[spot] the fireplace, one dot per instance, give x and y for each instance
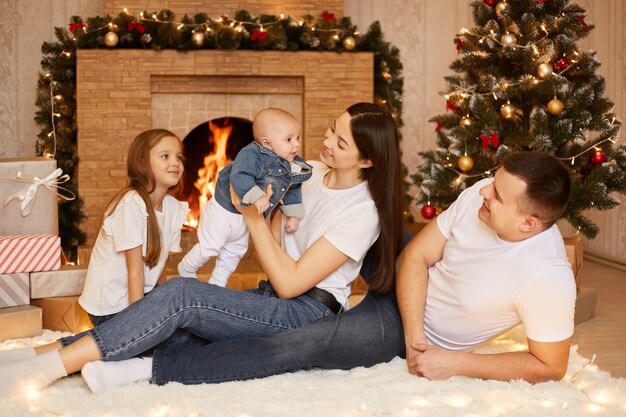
(208, 148)
(121, 93)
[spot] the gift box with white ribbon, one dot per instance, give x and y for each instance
(29, 253)
(29, 192)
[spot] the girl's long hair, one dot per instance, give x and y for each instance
(141, 180)
(376, 136)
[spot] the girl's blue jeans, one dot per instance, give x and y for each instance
(203, 310)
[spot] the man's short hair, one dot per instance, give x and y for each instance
(548, 184)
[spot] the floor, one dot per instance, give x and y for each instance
(605, 334)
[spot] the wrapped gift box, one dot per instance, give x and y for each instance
(574, 250)
(43, 216)
(586, 300)
(64, 314)
(67, 281)
(18, 322)
(29, 253)
(14, 289)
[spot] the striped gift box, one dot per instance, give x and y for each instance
(14, 289)
(29, 253)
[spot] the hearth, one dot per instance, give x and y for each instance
(208, 148)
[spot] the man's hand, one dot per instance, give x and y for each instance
(432, 362)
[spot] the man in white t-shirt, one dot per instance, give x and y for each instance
(492, 260)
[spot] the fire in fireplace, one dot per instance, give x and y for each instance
(208, 148)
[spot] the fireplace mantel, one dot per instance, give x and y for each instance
(114, 89)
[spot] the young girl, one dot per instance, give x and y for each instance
(141, 226)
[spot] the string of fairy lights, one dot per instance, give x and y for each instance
(349, 40)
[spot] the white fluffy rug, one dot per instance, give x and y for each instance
(383, 390)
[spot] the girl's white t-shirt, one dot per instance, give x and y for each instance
(346, 218)
(106, 285)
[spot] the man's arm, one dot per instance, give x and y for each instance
(411, 282)
(543, 362)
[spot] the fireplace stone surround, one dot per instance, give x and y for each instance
(114, 91)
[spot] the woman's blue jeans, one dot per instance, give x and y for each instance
(368, 334)
(203, 310)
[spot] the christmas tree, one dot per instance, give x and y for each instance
(522, 84)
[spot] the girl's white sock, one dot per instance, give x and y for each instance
(101, 376)
(16, 355)
(33, 374)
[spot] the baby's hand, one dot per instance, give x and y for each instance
(262, 204)
(292, 224)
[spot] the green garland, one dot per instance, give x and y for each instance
(160, 30)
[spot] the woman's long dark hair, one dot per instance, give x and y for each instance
(376, 136)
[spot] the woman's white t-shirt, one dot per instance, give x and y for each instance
(347, 218)
(106, 284)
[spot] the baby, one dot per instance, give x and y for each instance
(271, 159)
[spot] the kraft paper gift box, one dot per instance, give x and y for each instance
(28, 199)
(64, 314)
(29, 253)
(14, 289)
(586, 300)
(18, 322)
(574, 251)
(67, 281)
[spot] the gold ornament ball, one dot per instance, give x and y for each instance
(555, 106)
(544, 70)
(465, 163)
(502, 8)
(197, 38)
(111, 39)
(349, 43)
(466, 122)
(507, 111)
(508, 39)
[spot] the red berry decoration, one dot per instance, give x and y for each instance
(562, 64)
(429, 211)
(597, 157)
(490, 2)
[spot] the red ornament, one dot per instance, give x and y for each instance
(258, 36)
(138, 26)
(439, 127)
(490, 140)
(562, 64)
(598, 157)
(75, 26)
(329, 17)
(490, 3)
(459, 44)
(581, 19)
(536, 2)
(429, 211)
(451, 106)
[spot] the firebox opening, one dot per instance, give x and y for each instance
(208, 148)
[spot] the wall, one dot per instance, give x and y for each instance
(24, 26)
(423, 32)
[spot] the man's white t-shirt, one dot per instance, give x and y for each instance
(346, 218)
(106, 284)
(483, 286)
